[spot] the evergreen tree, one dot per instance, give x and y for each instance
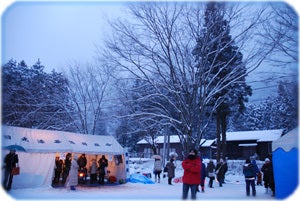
(34, 99)
(280, 112)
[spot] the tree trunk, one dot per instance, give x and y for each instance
(223, 127)
(218, 137)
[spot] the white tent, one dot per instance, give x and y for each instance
(285, 164)
(41, 147)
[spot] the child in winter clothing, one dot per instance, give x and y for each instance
(249, 173)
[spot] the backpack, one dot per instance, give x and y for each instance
(166, 169)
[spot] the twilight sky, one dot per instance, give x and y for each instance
(60, 32)
(57, 33)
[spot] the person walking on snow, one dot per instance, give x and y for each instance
(157, 169)
(268, 176)
(171, 170)
(202, 179)
(221, 170)
(211, 172)
(192, 174)
(249, 173)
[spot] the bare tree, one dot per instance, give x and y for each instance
(88, 87)
(156, 48)
(283, 32)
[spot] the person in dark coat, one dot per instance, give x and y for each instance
(221, 170)
(191, 178)
(202, 179)
(171, 170)
(67, 167)
(268, 176)
(82, 161)
(103, 163)
(257, 171)
(11, 160)
(249, 173)
(58, 169)
(211, 172)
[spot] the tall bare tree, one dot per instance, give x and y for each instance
(156, 45)
(88, 87)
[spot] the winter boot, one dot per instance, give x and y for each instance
(72, 188)
(158, 180)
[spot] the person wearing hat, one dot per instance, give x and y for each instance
(170, 166)
(267, 170)
(10, 160)
(192, 174)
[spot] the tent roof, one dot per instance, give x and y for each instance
(35, 140)
(287, 142)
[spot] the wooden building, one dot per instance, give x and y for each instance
(240, 145)
(244, 144)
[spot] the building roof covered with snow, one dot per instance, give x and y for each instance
(259, 136)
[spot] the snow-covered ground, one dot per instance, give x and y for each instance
(233, 189)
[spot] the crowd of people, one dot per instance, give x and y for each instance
(74, 170)
(67, 172)
(195, 172)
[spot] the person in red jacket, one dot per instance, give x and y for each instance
(191, 175)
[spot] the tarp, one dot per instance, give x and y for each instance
(138, 178)
(42, 146)
(285, 164)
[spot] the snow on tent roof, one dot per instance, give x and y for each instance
(35, 140)
(287, 142)
(259, 136)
